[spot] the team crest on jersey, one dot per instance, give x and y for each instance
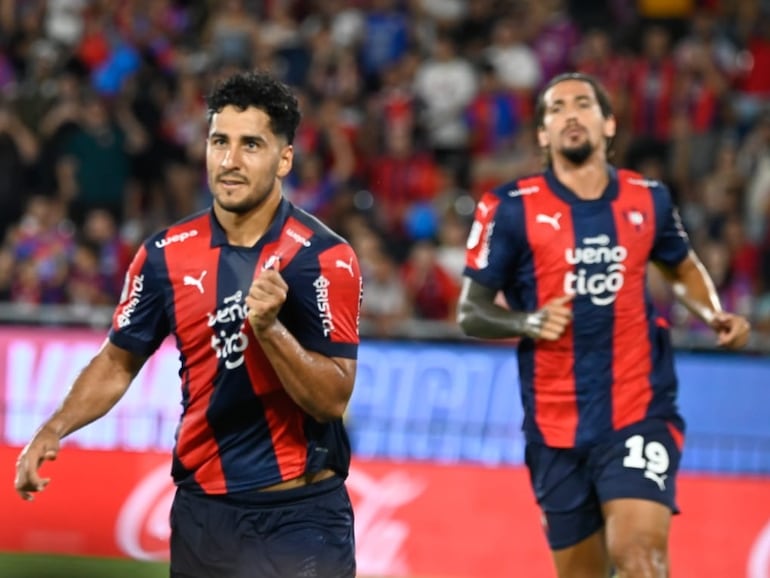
(636, 218)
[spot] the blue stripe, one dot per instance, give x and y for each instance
(593, 329)
(235, 413)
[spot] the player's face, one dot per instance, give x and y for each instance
(245, 159)
(573, 125)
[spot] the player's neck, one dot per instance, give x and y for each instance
(246, 229)
(587, 180)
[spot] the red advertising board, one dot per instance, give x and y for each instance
(412, 519)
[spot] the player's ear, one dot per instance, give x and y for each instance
(286, 161)
(542, 137)
(610, 127)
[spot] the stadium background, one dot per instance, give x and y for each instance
(411, 109)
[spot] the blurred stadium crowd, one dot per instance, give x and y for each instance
(411, 108)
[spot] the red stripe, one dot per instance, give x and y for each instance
(294, 236)
(677, 435)
(196, 446)
(556, 411)
(340, 266)
(129, 292)
(635, 225)
(478, 238)
(285, 420)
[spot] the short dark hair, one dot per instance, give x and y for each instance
(259, 90)
(601, 94)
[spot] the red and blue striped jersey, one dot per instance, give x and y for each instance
(534, 240)
(239, 429)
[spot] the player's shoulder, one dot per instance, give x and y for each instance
(634, 180)
(322, 235)
(516, 190)
(508, 198)
(192, 226)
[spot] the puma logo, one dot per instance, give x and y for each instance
(483, 209)
(190, 281)
(659, 480)
(548, 219)
(340, 264)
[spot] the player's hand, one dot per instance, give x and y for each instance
(732, 330)
(267, 295)
(555, 316)
(44, 446)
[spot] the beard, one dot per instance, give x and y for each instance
(579, 154)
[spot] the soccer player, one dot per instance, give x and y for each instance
(262, 300)
(568, 249)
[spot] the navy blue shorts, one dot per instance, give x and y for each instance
(571, 484)
(305, 532)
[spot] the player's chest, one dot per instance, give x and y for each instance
(209, 293)
(593, 237)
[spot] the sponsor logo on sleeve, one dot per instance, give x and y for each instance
(131, 301)
(475, 235)
(301, 239)
(523, 191)
(321, 285)
(177, 238)
(649, 183)
(482, 259)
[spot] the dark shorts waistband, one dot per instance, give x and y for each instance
(273, 498)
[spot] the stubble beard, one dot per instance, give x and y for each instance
(248, 204)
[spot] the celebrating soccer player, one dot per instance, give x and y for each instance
(262, 301)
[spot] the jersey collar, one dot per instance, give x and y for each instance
(566, 194)
(219, 237)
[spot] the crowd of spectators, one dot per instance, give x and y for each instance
(411, 108)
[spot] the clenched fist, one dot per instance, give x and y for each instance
(267, 295)
(553, 318)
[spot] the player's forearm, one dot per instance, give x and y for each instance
(320, 385)
(94, 392)
(494, 322)
(694, 288)
(478, 316)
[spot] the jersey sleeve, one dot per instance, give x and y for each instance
(491, 248)
(324, 302)
(140, 323)
(672, 243)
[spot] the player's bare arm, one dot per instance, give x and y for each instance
(95, 391)
(320, 385)
(479, 316)
(694, 288)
